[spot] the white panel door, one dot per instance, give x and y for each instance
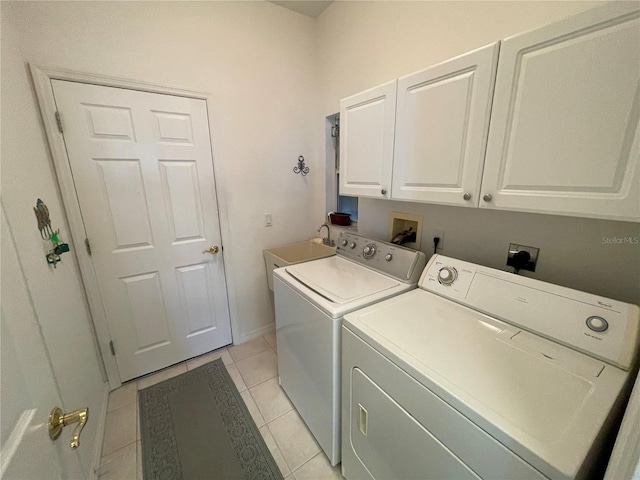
(442, 120)
(28, 388)
(143, 173)
(367, 122)
(564, 134)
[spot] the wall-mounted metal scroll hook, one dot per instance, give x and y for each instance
(300, 168)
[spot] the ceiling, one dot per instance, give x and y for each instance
(311, 8)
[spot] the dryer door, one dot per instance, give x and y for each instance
(396, 427)
(391, 443)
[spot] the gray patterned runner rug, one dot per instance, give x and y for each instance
(196, 427)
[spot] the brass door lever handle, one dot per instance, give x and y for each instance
(58, 420)
(213, 250)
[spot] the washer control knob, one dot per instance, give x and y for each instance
(352, 245)
(597, 324)
(447, 275)
(344, 243)
(388, 257)
(369, 251)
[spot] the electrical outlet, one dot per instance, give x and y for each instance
(440, 235)
(268, 220)
(524, 263)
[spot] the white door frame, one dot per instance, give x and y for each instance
(42, 76)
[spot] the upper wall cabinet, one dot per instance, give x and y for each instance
(442, 119)
(564, 134)
(366, 145)
(439, 120)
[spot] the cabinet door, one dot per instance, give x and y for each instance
(564, 131)
(442, 121)
(366, 146)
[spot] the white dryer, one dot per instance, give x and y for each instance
(310, 300)
(481, 373)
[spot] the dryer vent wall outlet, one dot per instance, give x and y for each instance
(517, 254)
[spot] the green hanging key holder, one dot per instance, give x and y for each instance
(47, 233)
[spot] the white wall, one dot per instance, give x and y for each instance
(254, 57)
(363, 44)
(257, 61)
(55, 296)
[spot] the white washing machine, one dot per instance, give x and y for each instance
(310, 299)
(481, 373)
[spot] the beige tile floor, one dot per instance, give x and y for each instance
(253, 367)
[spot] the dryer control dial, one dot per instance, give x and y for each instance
(344, 243)
(352, 245)
(447, 275)
(369, 251)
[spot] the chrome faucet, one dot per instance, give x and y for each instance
(327, 240)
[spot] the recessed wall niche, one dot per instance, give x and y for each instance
(405, 229)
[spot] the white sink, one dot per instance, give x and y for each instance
(294, 253)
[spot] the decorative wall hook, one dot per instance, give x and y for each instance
(47, 233)
(300, 168)
(44, 223)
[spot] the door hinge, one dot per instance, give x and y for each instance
(88, 245)
(335, 131)
(59, 121)
(112, 348)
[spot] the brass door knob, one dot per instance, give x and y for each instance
(213, 249)
(59, 420)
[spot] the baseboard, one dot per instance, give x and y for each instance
(255, 333)
(102, 421)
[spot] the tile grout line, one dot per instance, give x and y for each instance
(120, 448)
(259, 383)
(258, 407)
(279, 449)
(319, 453)
(121, 406)
(281, 415)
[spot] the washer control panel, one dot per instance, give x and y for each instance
(401, 263)
(598, 326)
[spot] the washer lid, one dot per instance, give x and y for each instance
(339, 280)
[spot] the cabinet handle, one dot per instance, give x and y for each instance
(383, 191)
(467, 196)
(487, 197)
